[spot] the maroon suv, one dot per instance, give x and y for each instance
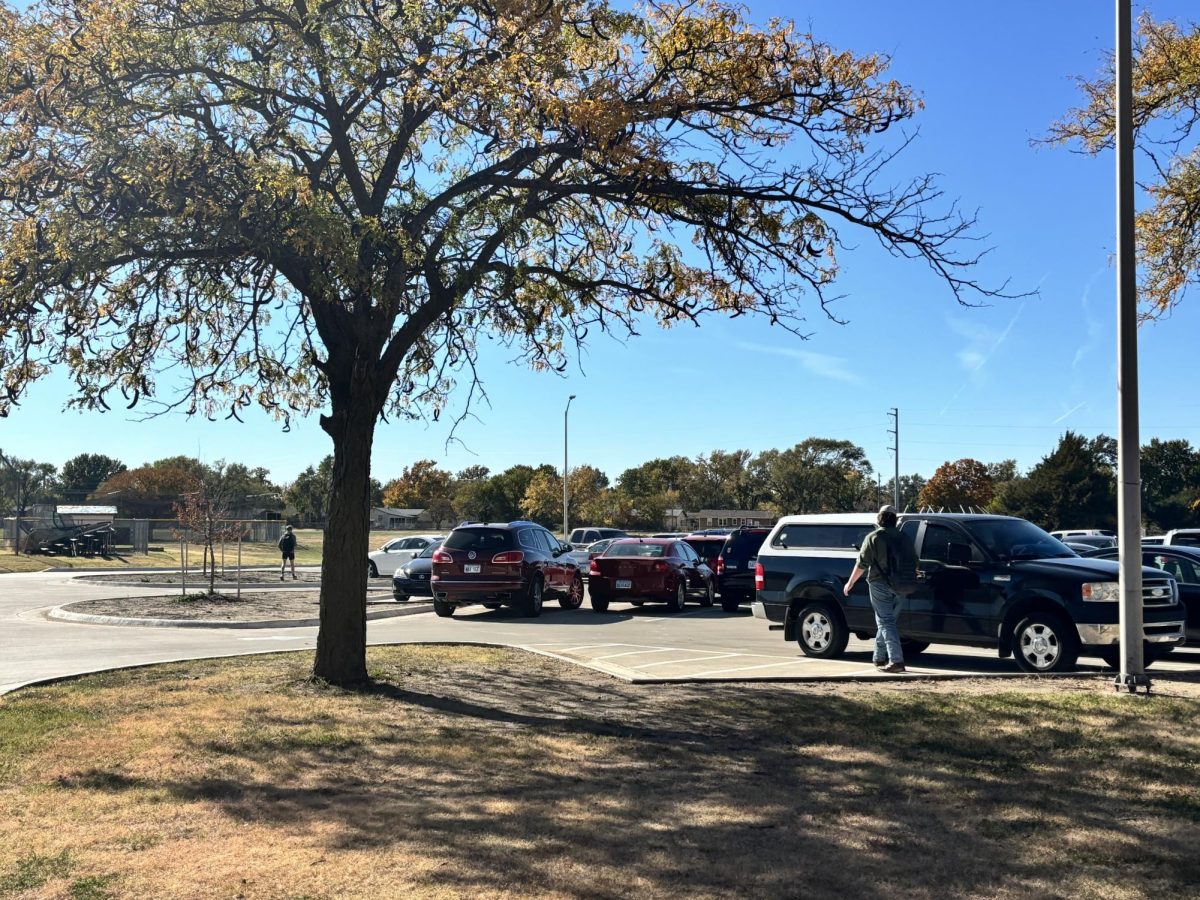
(514, 564)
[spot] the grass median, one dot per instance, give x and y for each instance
(491, 773)
(308, 553)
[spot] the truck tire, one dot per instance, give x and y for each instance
(442, 609)
(820, 631)
(1045, 642)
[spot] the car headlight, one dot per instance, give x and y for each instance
(1102, 591)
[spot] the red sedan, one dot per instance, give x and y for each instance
(641, 569)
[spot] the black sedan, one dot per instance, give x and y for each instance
(1181, 562)
(412, 578)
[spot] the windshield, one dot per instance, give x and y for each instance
(428, 551)
(1009, 539)
(706, 546)
(646, 550)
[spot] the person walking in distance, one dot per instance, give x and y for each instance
(287, 546)
(874, 562)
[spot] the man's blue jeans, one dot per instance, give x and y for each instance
(887, 633)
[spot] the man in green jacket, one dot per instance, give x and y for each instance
(873, 562)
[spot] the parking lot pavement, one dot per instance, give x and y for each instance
(648, 645)
(644, 644)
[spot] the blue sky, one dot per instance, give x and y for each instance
(990, 382)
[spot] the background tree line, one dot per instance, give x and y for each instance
(1072, 486)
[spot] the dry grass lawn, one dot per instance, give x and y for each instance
(308, 553)
(490, 773)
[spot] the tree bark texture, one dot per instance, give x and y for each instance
(341, 656)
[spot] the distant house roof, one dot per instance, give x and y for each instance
(413, 513)
(86, 510)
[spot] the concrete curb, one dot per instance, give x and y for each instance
(63, 614)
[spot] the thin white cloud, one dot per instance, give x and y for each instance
(1095, 325)
(982, 344)
(837, 368)
(1074, 409)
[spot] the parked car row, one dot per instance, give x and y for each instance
(986, 581)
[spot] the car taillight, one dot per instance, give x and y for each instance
(758, 576)
(661, 566)
(720, 565)
(509, 556)
(442, 556)
(593, 567)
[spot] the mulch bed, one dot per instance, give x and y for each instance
(254, 606)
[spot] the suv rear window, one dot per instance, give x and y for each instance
(744, 544)
(828, 537)
(485, 539)
(706, 546)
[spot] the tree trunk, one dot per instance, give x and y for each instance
(341, 656)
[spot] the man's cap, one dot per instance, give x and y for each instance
(289, 527)
(888, 508)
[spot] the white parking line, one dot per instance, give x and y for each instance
(680, 662)
(635, 652)
(789, 662)
(585, 647)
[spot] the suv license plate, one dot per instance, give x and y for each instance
(624, 584)
(471, 568)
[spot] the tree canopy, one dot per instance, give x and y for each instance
(1166, 113)
(213, 205)
(965, 484)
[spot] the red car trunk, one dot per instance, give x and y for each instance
(632, 575)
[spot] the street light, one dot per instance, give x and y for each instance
(565, 412)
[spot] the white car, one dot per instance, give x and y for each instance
(396, 552)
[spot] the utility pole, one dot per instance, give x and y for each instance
(566, 533)
(894, 431)
(1129, 477)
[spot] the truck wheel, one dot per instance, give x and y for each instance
(573, 599)
(820, 631)
(531, 606)
(675, 604)
(1045, 642)
(912, 648)
(730, 603)
(443, 609)
(599, 604)
(709, 594)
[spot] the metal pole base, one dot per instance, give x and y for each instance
(1132, 682)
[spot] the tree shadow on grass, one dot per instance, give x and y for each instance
(522, 781)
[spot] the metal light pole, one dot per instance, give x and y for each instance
(1129, 505)
(565, 470)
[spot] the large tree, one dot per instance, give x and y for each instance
(962, 484)
(1072, 487)
(1166, 116)
(817, 475)
(82, 474)
(319, 207)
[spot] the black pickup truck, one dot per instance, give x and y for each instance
(986, 581)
